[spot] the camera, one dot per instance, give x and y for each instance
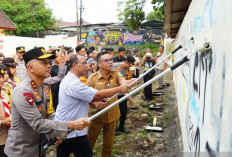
(148, 58)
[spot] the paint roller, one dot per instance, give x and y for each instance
(148, 71)
(205, 48)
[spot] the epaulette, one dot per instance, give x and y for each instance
(93, 74)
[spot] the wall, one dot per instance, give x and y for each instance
(138, 37)
(204, 85)
(8, 44)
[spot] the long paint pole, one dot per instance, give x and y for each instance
(185, 59)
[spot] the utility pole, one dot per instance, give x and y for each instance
(77, 22)
(81, 9)
(37, 33)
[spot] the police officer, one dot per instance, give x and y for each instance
(30, 115)
(21, 71)
(12, 81)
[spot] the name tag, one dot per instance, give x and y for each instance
(98, 83)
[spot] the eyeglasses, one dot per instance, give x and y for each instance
(107, 60)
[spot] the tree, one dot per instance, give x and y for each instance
(28, 15)
(132, 13)
(158, 12)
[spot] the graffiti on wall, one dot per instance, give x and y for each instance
(206, 107)
(137, 37)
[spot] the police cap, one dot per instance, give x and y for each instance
(9, 61)
(2, 69)
(20, 49)
(37, 53)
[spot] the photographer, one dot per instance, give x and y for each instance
(148, 62)
(92, 63)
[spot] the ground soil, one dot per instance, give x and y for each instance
(141, 143)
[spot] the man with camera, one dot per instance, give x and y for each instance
(148, 62)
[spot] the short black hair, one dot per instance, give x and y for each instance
(100, 54)
(66, 48)
(92, 48)
(70, 51)
(78, 48)
(128, 51)
(1, 55)
(109, 49)
(136, 50)
(121, 49)
(89, 51)
(73, 60)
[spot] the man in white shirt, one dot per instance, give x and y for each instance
(162, 66)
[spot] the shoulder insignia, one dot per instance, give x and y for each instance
(29, 98)
(33, 84)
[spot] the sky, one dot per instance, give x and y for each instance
(95, 11)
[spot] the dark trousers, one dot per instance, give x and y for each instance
(148, 89)
(79, 146)
(2, 154)
(123, 110)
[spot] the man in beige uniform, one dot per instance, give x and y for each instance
(32, 111)
(21, 71)
(103, 79)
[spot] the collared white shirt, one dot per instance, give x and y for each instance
(74, 99)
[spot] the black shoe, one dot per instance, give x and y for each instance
(157, 94)
(134, 109)
(159, 88)
(116, 132)
(123, 129)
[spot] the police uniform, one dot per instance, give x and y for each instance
(107, 121)
(32, 114)
(21, 71)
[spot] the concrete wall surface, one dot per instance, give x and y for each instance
(204, 84)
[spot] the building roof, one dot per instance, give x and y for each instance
(174, 11)
(71, 24)
(154, 24)
(5, 22)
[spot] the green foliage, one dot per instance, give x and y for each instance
(21, 13)
(157, 3)
(131, 13)
(158, 12)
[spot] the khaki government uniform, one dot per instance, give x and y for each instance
(32, 115)
(106, 121)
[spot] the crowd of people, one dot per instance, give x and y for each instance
(45, 94)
